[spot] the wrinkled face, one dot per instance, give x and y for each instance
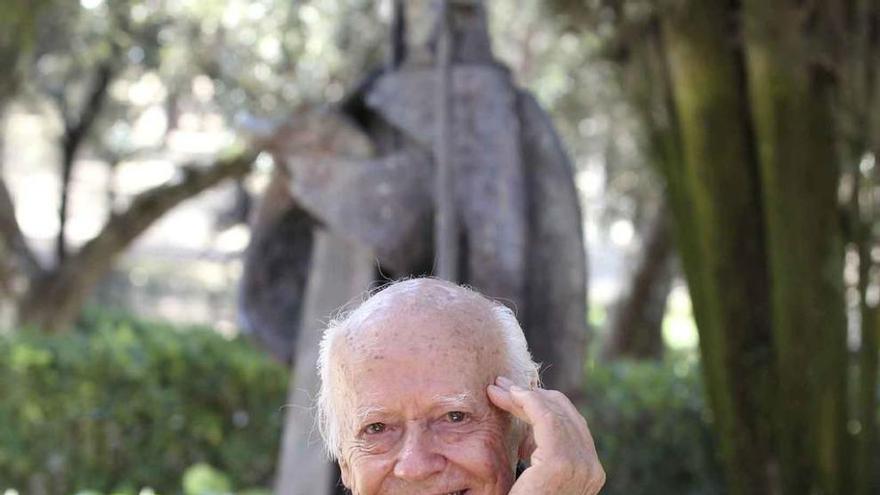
(417, 417)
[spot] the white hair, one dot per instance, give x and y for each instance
(520, 367)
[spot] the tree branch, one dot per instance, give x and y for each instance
(149, 206)
(75, 131)
(65, 289)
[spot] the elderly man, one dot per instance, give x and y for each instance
(428, 388)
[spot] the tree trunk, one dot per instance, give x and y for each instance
(715, 195)
(866, 468)
(765, 93)
(55, 299)
(17, 262)
(18, 265)
(790, 100)
(637, 325)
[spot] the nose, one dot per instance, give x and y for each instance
(417, 459)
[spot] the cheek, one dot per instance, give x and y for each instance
(367, 472)
(484, 453)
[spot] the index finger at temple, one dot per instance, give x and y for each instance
(504, 400)
(547, 421)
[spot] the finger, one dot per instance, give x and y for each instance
(500, 392)
(564, 405)
(502, 399)
(515, 399)
(581, 429)
(554, 420)
(549, 426)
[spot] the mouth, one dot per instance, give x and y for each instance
(460, 492)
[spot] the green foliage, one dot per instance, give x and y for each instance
(203, 479)
(652, 429)
(121, 405)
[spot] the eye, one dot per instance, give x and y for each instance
(456, 416)
(374, 428)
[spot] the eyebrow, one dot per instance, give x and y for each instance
(363, 413)
(455, 400)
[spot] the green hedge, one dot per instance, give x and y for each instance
(121, 405)
(652, 428)
(124, 405)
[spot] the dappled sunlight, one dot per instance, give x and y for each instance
(679, 327)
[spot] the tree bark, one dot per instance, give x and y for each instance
(790, 101)
(715, 195)
(12, 239)
(55, 299)
(866, 476)
(765, 93)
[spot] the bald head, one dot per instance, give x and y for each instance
(426, 331)
(418, 314)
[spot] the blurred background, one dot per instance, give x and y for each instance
(724, 159)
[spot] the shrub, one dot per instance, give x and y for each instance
(652, 428)
(122, 404)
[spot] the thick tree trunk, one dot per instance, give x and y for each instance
(55, 300)
(753, 193)
(17, 262)
(715, 195)
(637, 324)
(18, 265)
(866, 473)
(12, 241)
(790, 101)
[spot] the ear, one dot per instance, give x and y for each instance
(526, 445)
(345, 471)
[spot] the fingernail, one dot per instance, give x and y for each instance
(516, 388)
(504, 382)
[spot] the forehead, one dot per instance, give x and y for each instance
(417, 359)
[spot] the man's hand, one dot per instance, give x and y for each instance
(562, 454)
